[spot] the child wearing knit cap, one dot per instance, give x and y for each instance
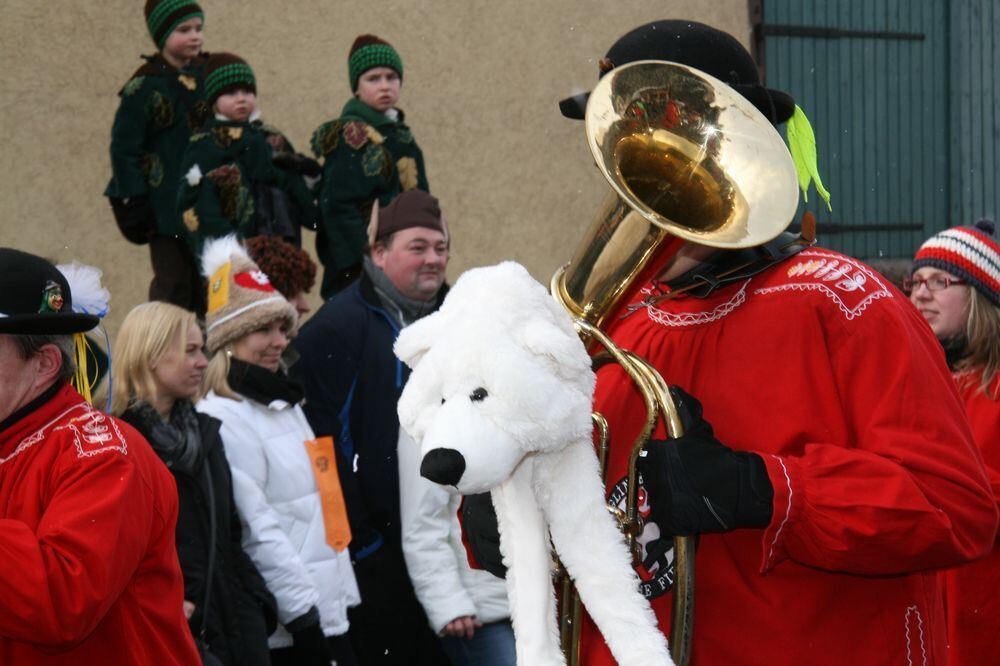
(239, 174)
(161, 105)
(369, 154)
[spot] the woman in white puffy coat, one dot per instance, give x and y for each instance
(275, 488)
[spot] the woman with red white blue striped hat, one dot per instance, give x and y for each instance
(956, 286)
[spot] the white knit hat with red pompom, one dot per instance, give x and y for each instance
(241, 298)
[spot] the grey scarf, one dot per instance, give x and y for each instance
(403, 309)
(178, 441)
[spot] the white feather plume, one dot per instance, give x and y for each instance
(89, 296)
(220, 251)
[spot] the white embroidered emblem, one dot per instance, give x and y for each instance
(94, 433)
(851, 285)
(90, 428)
(835, 270)
(94, 430)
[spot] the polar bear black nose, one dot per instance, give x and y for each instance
(443, 466)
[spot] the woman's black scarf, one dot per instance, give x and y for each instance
(261, 385)
(956, 348)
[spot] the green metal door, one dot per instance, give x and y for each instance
(903, 99)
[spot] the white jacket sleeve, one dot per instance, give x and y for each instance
(428, 516)
(264, 541)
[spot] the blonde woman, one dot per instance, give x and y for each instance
(956, 286)
(158, 370)
(288, 522)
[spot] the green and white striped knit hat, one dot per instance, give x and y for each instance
(226, 72)
(369, 51)
(162, 16)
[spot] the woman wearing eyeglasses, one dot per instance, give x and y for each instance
(956, 286)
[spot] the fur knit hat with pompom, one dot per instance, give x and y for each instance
(290, 269)
(241, 298)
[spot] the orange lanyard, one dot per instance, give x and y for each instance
(324, 465)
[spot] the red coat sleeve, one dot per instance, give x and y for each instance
(983, 408)
(909, 492)
(63, 576)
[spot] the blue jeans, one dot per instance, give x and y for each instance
(491, 645)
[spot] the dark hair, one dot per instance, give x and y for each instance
(29, 345)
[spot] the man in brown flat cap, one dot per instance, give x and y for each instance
(352, 382)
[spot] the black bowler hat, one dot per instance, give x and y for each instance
(35, 298)
(696, 45)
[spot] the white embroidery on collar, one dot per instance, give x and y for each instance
(695, 318)
(90, 433)
(36, 436)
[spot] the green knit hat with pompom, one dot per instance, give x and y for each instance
(226, 72)
(369, 51)
(163, 16)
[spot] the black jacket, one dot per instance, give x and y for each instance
(352, 381)
(242, 613)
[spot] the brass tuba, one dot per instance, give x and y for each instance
(688, 157)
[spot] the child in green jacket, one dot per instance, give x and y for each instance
(161, 105)
(238, 173)
(368, 154)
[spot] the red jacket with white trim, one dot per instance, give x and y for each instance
(830, 375)
(87, 516)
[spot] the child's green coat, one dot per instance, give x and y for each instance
(160, 108)
(366, 156)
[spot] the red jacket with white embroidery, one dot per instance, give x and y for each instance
(90, 570)
(832, 377)
(972, 591)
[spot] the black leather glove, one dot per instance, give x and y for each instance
(310, 645)
(297, 163)
(479, 521)
(697, 485)
(135, 217)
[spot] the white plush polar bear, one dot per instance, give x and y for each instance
(500, 400)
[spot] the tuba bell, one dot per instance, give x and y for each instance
(688, 159)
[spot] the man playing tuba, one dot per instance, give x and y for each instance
(827, 467)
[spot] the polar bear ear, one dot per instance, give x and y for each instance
(546, 339)
(417, 339)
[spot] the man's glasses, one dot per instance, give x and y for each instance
(936, 283)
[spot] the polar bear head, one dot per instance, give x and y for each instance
(499, 373)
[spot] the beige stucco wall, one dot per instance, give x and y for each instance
(481, 85)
